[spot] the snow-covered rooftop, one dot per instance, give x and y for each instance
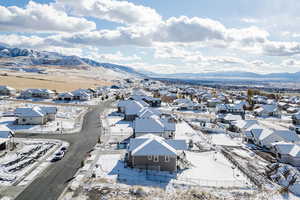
(154, 145)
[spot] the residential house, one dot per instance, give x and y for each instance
(228, 118)
(283, 105)
(192, 106)
(294, 156)
(267, 110)
(292, 110)
(241, 126)
(95, 92)
(66, 96)
(167, 96)
(37, 93)
(205, 96)
(153, 102)
(296, 122)
(237, 109)
(213, 102)
(7, 91)
(35, 115)
(265, 137)
(256, 99)
(181, 101)
(147, 112)
(132, 109)
(288, 135)
(296, 119)
(50, 112)
(5, 135)
(152, 152)
(82, 95)
(281, 150)
(154, 125)
(122, 104)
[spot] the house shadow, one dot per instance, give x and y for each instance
(123, 122)
(123, 144)
(115, 114)
(288, 195)
(13, 126)
(20, 127)
(133, 176)
(7, 123)
(37, 99)
(68, 101)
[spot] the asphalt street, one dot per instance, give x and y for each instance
(50, 184)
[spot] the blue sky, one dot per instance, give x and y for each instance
(166, 36)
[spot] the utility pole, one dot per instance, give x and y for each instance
(61, 127)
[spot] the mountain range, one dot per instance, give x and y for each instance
(233, 74)
(33, 57)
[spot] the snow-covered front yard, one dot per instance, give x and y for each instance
(118, 126)
(66, 119)
(116, 129)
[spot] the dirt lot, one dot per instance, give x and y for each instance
(57, 79)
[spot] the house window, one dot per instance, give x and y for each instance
(167, 159)
(150, 157)
(155, 159)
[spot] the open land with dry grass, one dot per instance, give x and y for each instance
(56, 78)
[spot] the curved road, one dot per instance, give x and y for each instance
(50, 184)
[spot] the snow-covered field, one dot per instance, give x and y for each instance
(66, 119)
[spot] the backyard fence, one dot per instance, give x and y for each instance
(253, 179)
(163, 178)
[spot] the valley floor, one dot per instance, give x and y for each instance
(58, 79)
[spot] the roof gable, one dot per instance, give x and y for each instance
(154, 146)
(150, 125)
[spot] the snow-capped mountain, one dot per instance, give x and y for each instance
(32, 57)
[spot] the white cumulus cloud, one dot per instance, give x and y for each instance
(111, 10)
(37, 17)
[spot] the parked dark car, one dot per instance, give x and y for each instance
(58, 156)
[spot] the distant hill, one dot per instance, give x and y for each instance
(232, 74)
(19, 57)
